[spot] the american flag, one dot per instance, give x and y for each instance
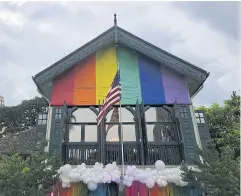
(113, 97)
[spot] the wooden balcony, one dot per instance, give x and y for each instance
(89, 153)
(150, 134)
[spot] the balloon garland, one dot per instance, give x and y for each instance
(111, 173)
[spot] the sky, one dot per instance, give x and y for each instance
(34, 35)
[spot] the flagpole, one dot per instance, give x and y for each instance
(118, 70)
(122, 142)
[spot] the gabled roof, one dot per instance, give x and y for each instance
(23, 142)
(194, 73)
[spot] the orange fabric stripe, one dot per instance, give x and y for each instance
(155, 191)
(85, 82)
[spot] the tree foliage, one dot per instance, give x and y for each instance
(21, 117)
(224, 118)
(27, 177)
(219, 172)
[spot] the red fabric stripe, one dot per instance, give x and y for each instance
(114, 101)
(111, 91)
(63, 89)
(106, 106)
(108, 100)
(103, 109)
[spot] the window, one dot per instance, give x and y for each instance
(113, 128)
(90, 134)
(82, 115)
(183, 112)
(58, 113)
(160, 125)
(75, 133)
(158, 114)
(129, 133)
(112, 134)
(199, 117)
(42, 119)
(83, 126)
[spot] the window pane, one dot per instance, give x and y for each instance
(39, 122)
(75, 133)
(198, 120)
(197, 114)
(44, 116)
(129, 133)
(162, 133)
(202, 120)
(150, 136)
(112, 134)
(150, 115)
(201, 114)
(59, 110)
(158, 114)
(114, 115)
(83, 115)
(90, 133)
(40, 116)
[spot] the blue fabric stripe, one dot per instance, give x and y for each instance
(151, 82)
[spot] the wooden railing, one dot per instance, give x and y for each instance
(169, 152)
(89, 153)
(75, 153)
(131, 153)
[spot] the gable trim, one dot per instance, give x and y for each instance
(163, 57)
(81, 53)
(131, 41)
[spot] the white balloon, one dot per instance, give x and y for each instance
(91, 186)
(150, 183)
(129, 183)
(164, 183)
(111, 173)
(160, 165)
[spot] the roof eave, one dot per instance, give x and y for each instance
(130, 40)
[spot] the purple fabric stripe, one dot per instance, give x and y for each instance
(175, 87)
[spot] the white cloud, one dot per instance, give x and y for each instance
(11, 18)
(60, 31)
(47, 28)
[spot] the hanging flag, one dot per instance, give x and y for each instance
(114, 118)
(113, 97)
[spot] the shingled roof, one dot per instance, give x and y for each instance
(24, 142)
(195, 76)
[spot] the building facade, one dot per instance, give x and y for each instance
(159, 122)
(1, 101)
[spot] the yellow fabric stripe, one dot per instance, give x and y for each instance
(106, 67)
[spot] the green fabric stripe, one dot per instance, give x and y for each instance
(129, 74)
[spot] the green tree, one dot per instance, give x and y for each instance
(224, 122)
(27, 177)
(219, 172)
(223, 118)
(14, 119)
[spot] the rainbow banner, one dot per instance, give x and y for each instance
(142, 79)
(137, 189)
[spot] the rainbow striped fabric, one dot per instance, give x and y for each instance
(137, 189)
(142, 79)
